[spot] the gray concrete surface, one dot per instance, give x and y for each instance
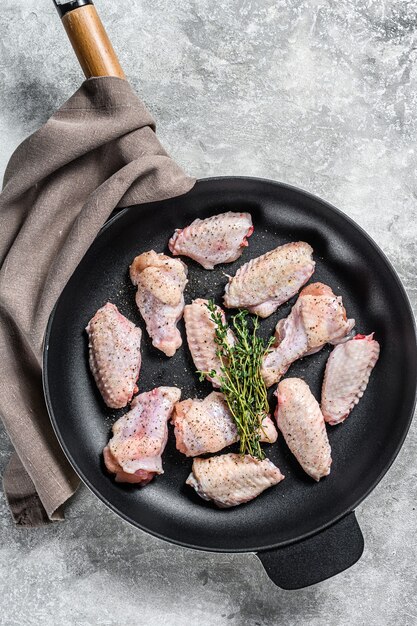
(320, 94)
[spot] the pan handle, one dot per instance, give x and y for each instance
(88, 38)
(316, 558)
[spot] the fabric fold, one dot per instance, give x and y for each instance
(98, 152)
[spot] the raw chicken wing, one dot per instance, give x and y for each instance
(217, 239)
(161, 282)
(203, 426)
(200, 330)
(301, 422)
(232, 479)
(318, 317)
(139, 437)
(346, 377)
(263, 284)
(114, 355)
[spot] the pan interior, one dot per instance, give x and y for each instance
(362, 448)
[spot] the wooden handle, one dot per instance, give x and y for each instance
(91, 43)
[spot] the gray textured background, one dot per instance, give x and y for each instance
(320, 94)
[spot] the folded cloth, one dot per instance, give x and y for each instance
(99, 151)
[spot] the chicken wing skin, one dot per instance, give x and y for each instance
(318, 317)
(161, 282)
(114, 355)
(264, 283)
(301, 422)
(134, 453)
(217, 239)
(348, 369)
(200, 330)
(231, 479)
(206, 426)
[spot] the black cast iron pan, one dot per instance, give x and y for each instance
(302, 531)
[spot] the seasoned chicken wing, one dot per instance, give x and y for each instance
(264, 283)
(301, 422)
(161, 282)
(318, 317)
(346, 377)
(200, 330)
(203, 426)
(232, 479)
(114, 355)
(217, 239)
(134, 453)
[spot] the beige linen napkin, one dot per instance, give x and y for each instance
(98, 152)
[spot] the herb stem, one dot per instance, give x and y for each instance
(240, 376)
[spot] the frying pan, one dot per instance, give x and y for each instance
(302, 531)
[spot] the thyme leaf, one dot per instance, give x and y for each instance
(240, 376)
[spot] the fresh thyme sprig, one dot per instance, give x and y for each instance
(240, 376)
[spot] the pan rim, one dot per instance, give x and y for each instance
(331, 208)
